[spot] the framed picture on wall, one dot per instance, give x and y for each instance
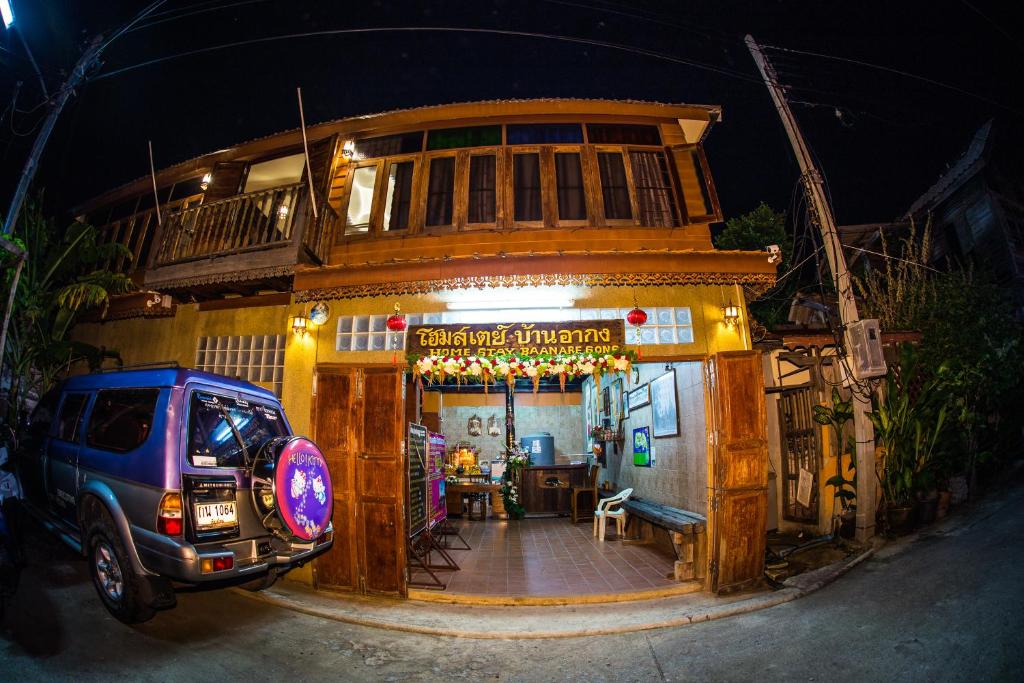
(639, 397)
(642, 446)
(616, 402)
(663, 405)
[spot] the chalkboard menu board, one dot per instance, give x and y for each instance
(417, 459)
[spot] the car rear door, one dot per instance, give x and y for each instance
(62, 463)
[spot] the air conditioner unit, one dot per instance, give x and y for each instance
(864, 341)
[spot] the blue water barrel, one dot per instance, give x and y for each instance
(541, 447)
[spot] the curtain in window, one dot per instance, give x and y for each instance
(653, 189)
(526, 186)
(569, 177)
(396, 212)
(613, 186)
(481, 189)
(440, 188)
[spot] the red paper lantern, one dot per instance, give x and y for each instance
(396, 321)
(636, 317)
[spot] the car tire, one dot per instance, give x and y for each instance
(119, 587)
(262, 583)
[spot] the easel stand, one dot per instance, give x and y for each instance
(420, 551)
(444, 529)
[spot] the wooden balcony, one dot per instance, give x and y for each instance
(242, 244)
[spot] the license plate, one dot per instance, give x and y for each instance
(216, 515)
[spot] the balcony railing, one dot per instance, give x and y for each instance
(255, 221)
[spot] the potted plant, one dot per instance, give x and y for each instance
(908, 425)
(844, 508)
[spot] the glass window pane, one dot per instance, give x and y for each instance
(632, 335)
(361, 323)
(210, 423)
(357, 220)
(684, 335)
(544, 134)
(664, 316)
(613, 186)
(452, 138)
(378, 341)
(526, 186)
(378, 323)
(345, 323)
(431, 318)
(439, 191)
(359, 342)
(569, 178)
(482, 170)
(647, 335)
(603, 133)
(683, 316)
(653, 189)
(406, 143)
(344, 342)
(666, 335)
(122, 419)
(399, 201)
(70, 413)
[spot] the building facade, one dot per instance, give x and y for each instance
(507, 211)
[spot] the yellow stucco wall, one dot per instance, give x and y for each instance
(144, 340)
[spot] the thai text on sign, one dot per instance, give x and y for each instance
(509, 339)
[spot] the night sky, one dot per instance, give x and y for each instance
(892, 139)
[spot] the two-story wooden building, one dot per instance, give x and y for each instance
(519, 210)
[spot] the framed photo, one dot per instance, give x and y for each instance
(638, 397)
(663, 405)
(616, 402)
(642, 446)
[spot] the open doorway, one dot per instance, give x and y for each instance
(586, 441)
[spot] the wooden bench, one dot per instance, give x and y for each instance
(687, 531)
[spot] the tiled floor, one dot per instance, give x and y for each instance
(551, 556)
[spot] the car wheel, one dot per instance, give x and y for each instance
(264, 582)
(118, 585)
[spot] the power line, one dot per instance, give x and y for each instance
(899, 72)
(183, 12)
(732, 73)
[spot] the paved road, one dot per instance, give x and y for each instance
(947, 607)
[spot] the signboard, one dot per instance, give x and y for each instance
(417, 459)
(303, 490)
(509, 339)
(437, 510)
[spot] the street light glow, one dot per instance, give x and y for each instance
(7, 11)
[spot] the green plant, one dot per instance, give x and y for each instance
(63, 276)
(835, 417)
(909, 424)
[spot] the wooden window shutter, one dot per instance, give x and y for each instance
(225, 180)
(321, 160)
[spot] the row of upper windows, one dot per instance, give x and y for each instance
(560, 184)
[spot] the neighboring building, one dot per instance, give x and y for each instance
(554, 209)
(976, 210)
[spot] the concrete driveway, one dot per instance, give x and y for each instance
(944, 607)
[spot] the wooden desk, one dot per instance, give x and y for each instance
(539, 498)
(453, 496)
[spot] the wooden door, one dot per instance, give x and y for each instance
(335, 432)
(380, 481)
(739, 469)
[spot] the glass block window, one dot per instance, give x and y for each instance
(668, 325)
(257, 358)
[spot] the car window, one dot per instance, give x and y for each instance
(70, 416)
(212, 441)
(41, 419)
(122, 419)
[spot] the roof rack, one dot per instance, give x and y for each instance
(139, 366)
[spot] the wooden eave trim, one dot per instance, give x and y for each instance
(452, 115)
(257, 301)
(596, 269)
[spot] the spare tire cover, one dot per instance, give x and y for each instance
(302, 489)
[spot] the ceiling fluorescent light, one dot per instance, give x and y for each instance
(509, 303)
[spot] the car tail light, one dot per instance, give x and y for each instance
(169, 520)
(217, 564)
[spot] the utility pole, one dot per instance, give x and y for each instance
(821, 214)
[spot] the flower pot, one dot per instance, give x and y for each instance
(848, 527)
(899, 518)
(942, 508)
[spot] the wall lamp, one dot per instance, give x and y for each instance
(731, 315)
(348, 150)
(300, 325)
(205, 182)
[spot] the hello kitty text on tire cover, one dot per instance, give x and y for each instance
(302, 489)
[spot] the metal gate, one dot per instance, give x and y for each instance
(800, 452)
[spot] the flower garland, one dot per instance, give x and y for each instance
(491, 370)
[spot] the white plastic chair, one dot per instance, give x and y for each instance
(604, 511)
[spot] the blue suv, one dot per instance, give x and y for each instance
(168, 476)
